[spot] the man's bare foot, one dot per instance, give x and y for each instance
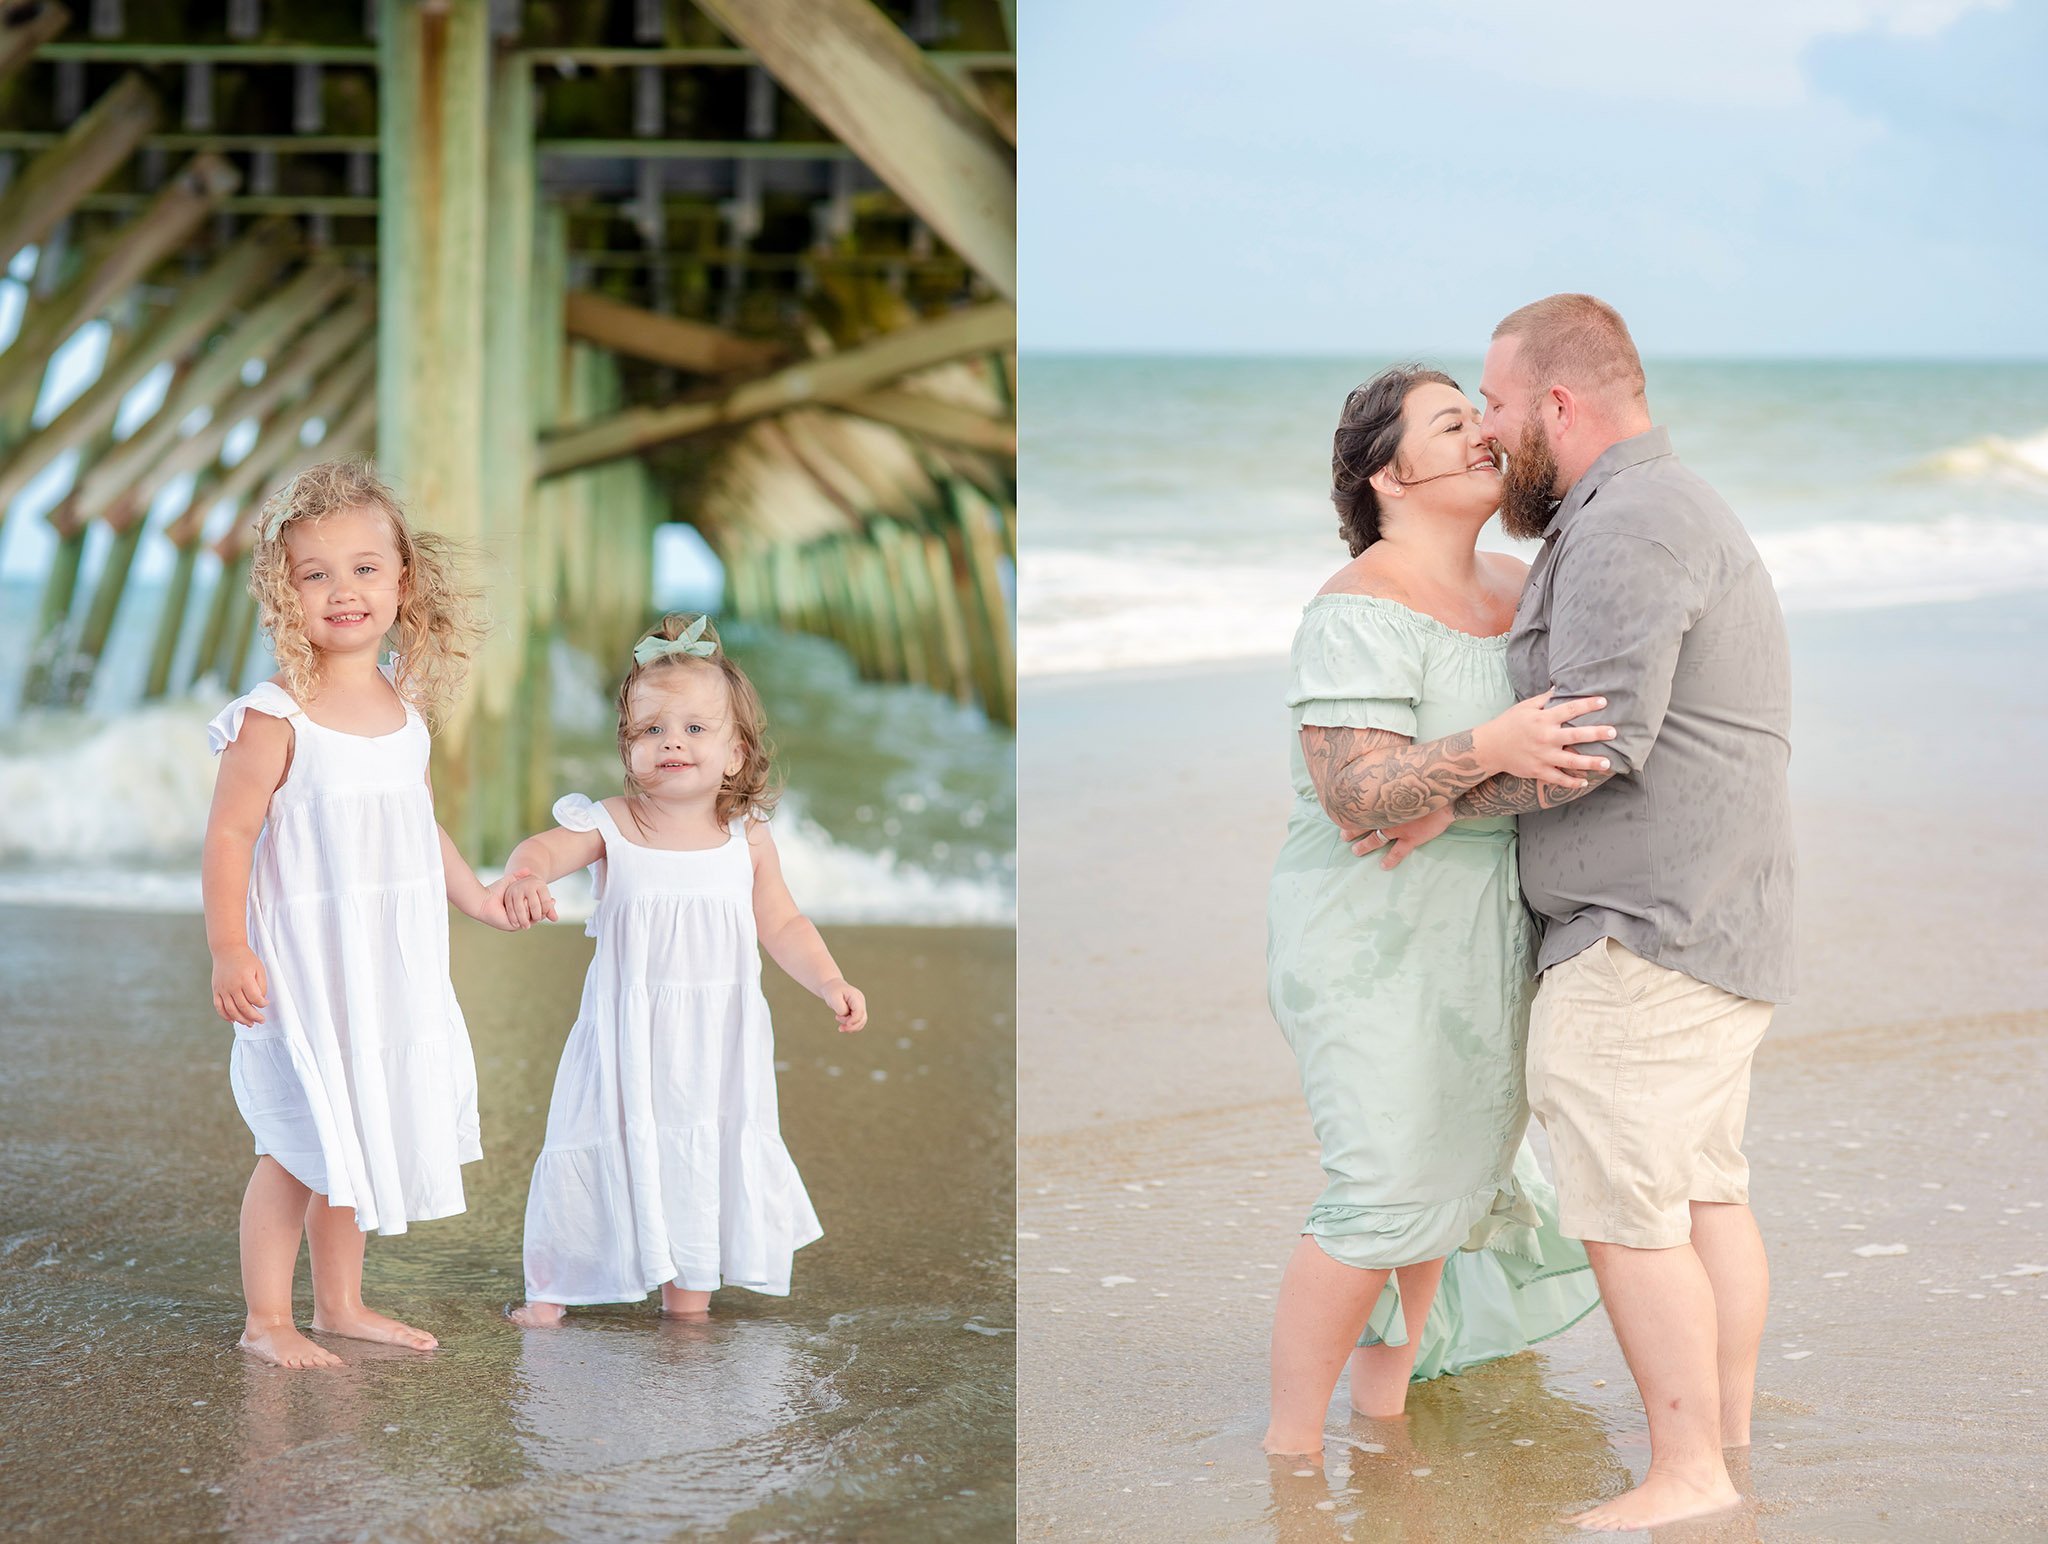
(537, 1316)
(282, 1345)
(677, 1303)
(360, 1323)
(1660, 1499)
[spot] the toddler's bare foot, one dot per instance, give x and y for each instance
(359, 1323)
(1661, 1499)
(536, 1316)
(282, 1345)
(679, 1304)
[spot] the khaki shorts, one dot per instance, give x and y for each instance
(1640, 1076)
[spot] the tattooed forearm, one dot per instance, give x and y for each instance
(1504, 795)
(1374, 777)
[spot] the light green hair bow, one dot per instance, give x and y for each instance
(693, 642)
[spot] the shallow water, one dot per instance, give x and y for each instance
(875, 1402)
(1899, 1101)
(1901, 1396)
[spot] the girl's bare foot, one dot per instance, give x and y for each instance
(680, 1304)
(537, 1316)
(282, 1345)
(360, 1323)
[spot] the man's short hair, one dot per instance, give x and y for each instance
(1576, 341)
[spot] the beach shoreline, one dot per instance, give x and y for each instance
(1160, 1193)
(876, 1401)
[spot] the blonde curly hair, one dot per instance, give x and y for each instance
(751, 791)
(438, 622)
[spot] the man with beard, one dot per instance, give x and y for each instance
(1663, 885)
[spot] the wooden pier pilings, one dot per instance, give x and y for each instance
(571, 274)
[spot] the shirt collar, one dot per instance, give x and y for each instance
(1618, 457)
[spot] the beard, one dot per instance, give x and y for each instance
(1528, 497)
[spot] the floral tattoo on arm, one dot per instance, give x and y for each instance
(1374, 777)
(1504, 795)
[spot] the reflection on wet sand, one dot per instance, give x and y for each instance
(1896, 1135)
(873, 1401)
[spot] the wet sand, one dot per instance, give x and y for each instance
(876, 1402)
(1166, 1160)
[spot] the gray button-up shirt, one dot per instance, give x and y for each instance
(1648, 592)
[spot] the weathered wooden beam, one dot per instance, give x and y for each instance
(343, 391)
(52, 185)
(934, 419)
(432, 125)
(170, 622)
(217, 372)
(172, 217)
(666, 340)
(104, 51)
(242, 270)
(828, 380)
(106, 604)
(997, 651)
(307, 358)
(861, 77)
(241, 632)
(26, 28)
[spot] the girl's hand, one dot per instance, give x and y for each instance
(1530, 740)
(240, 987)
(1399, 841)
(526, 900)
(847, 1003)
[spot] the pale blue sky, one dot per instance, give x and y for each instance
(1752, 177)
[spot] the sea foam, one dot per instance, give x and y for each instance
(1096, 611)
(110, 813)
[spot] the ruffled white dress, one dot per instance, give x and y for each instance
(359, 1080)
(664, 1159)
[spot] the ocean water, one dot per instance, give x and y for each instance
(900, 804)
(1177, 508)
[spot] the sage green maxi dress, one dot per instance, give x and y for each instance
(1405, 996)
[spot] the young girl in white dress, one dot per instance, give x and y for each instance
(326, 882)
(663, 1164)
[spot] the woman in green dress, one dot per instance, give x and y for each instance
(1402, 981)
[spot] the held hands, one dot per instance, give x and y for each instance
(1530, 740)
(240, 987)
(847, 1003)
(1399, 841)
(517, 901)
(527, 900)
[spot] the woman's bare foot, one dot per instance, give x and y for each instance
(360, 1323)
(1660, 1499)
(679, 1304)
(282, 1345)
(536, 1316)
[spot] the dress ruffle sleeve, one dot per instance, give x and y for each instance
(578, 812)
(226, 726)
(1355, 667)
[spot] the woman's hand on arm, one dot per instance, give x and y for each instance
(1370, 780)
(251, 767)
(792, 940)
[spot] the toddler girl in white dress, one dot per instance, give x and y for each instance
(663, 1164)
(327, 882)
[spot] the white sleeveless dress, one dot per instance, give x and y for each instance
(359, 1080)
(664, 1160)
